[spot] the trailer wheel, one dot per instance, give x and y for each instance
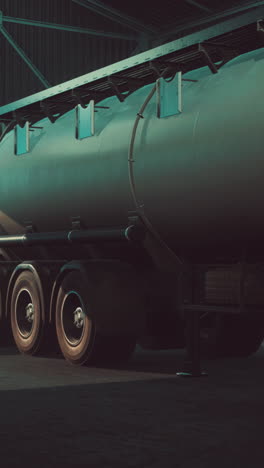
(230, 336)
(74, 325)
(27, 319)
(78, 338)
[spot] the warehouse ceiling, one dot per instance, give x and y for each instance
(46, 42)
(162, 20)
(166, 15)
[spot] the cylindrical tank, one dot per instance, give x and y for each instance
(199, 174)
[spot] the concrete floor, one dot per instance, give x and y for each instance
(54, 415)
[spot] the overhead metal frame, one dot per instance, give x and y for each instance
(22, 54)
(254, 6)
(116, 15)
(199, 5)
(64, 27)
(213, 46)
(144, 35)
(60, 27)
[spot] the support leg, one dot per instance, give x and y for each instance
(192, 362)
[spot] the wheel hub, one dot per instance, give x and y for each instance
(30, 312)
(25, 313)
(78, 317)
(73, 318)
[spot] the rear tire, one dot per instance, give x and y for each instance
(27, 315)
(74, 325)
(78, 337)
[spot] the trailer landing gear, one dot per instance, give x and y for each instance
(192, 362)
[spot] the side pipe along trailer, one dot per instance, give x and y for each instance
(131, 204)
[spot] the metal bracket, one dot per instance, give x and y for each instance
(260, 26)
(2, 128)
(168, 68)
(84, 121)
(21, 145)
(227, 53)
(77, 97)
(76, 223)
(169, 96)
(45, 107)
(101, 107)
(208, 59)
(132, 82)
(18, 119)
(156, 71)
(134, 218)
(32, 128)
(114, 85)
(29, 226)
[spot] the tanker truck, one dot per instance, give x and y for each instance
(131, 197)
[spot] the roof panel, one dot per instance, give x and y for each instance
(163, 13)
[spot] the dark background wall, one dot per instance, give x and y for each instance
(59, 55)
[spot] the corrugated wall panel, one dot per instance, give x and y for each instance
(165, 13)
(59, 55)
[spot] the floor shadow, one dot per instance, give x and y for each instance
(160, 423)
(162, 362)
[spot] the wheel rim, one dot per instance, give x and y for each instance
(25, 313)
(73, 318)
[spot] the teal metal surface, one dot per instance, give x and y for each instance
(85, 121)
(198, 174)
(169, 96)
(21, 139)
(156, 53)
(64, 27)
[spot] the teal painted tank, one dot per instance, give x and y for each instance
(199, 174)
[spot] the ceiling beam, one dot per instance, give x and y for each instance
(208, 20)
(115, 15)
(24, 57)
(63, 27)
(199, 5)
(206, 34)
